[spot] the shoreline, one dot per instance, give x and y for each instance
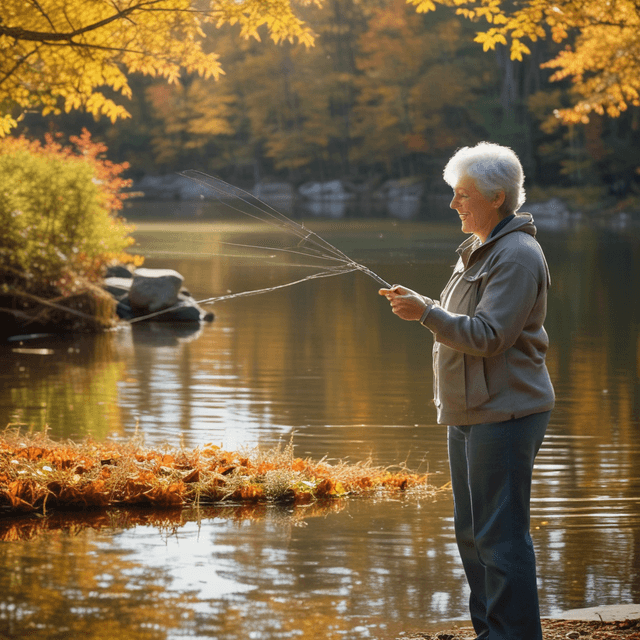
(585, 623)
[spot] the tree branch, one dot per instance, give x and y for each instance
(17, 65)
(36, 4)
(18, 33)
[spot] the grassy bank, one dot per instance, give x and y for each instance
(38, 475)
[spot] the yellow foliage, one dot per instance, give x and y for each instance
(403, 98)
(603, 61)
(423, 6)
(57, 55)
(58, 211)
(189, 115)
(603, 66)
(6, 124)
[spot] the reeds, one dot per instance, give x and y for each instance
(38, 474)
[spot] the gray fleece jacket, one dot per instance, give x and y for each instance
(490, 343)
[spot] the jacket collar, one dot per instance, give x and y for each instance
(472, 245)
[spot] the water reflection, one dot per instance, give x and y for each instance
(326, 364)
(66, 381)
(235, 579)
(59, 586)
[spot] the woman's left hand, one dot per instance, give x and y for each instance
(405, 303)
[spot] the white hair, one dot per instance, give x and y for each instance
(493, 168)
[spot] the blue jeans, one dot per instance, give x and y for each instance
(491, 468)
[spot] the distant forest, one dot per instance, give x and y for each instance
(385, 93)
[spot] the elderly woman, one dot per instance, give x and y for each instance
(491, 384)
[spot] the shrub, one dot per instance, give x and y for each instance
(59, 223)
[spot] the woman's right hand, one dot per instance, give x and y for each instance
(405, 303)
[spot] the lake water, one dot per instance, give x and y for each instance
(327, 365)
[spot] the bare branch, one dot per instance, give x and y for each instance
(131, 20)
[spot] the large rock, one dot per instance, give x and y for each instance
(154, 289)
(118, 287)
(184, 309)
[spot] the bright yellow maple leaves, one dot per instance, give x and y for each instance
(72, 54)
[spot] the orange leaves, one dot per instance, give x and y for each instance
(74, 494)
(37, 474)
(251, 492)
(22, 494)
(107, 173)
(151, 492)
(329, 488)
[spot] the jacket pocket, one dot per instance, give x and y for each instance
(476, 389)
(449, 379)
(475, 287)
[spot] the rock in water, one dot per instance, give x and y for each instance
(154, 289)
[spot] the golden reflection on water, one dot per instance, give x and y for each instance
(326, 363)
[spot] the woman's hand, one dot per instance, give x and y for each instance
(405, 303)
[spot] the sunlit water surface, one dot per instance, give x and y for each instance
(326, 366)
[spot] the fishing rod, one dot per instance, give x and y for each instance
(262, 211)
(310, 243)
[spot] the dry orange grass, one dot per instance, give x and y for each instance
(38, 474)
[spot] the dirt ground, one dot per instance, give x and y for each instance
(552, 630)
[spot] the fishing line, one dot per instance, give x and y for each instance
(265, 213)
(310, 243)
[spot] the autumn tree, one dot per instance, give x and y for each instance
(299, 103)
(381, 85)
(189, 116)
(279, 108)
(600, 55)
(419, 79)
(59, 55)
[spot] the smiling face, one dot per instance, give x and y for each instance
(478, 215)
